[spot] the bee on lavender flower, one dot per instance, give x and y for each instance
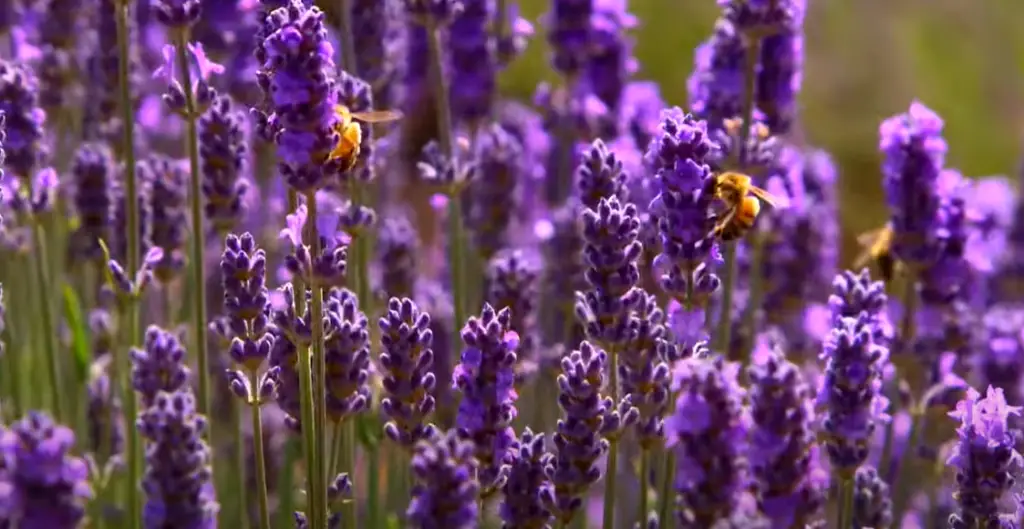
(742, 200)
(350, 134)
(877, 245)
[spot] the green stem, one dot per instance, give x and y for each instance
(49, 332)
(257, 447)
(901, 492)
(131, 315)
(724, 334)
(348, 51)
(319, 376)
(756, 280)
(612, 468)
(237, 480)
(666, 495)
(292, 453)
(373, 486)
(645, 464)
(347, 463)
(844, 514)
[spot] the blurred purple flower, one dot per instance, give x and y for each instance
(169, 210)
(223, 153)
(511, 282)
(397, 251)
(445, 493)
(522, 507)
(19, 102)
(94, 175)
(492, 194)
(159, 366)
(872, 505)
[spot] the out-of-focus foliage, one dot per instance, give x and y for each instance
(866, 59)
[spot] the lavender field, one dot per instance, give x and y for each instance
(511, 263)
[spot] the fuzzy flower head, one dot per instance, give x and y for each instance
(715, 87)
(523, 508)
(159, 365)
(407, 360)
(24, 119)
(570, 35)
(683, 207)
(486, 378)
(914, 152)
(445, 493)
(347, 355)
(985, 457)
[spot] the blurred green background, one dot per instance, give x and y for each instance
(865, 60)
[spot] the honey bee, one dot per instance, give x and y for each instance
(743, 200)
(350, 134)
(877, 246)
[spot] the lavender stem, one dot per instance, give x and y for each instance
(49, 331)
(908, 332)
(844, 514)
(319, 381)
(645, 464)
(131, 315)
(257, 447)
(612, 468)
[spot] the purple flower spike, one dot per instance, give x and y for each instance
(715, 87)
(397, 248)
(600, 175)
(19, 101)
(986, 460)
(914, 153)
(708, 430)
(473, 67)
(511, 282)
(326, 269)
(872, 505)
(223, 151)
(851, 392)
(292, 333)
(297, 75)
(644, 369)
(782, 60)
(178, 482)
(679, 156)
(522, 507)
(610, 252)
(486, 377)
(493, 190)
(106, 423)
(570, 35)
(446, 490)
(407, 360)
(43, 485)
(159, 365)
(169, 210)
(243, 268)
(783, 452)
(347, 354)
(1000, 362)
(95, 176)
(578, 440)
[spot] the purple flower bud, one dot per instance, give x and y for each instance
(644, 369)
(578, 442)
(44, 485)
(522, 507)
(986, 459)
(446, 490)
(376, 30)
(326, 269)
(600, 175)
(493, 193)
(222, 149)
(169, 203)
(708, 430)
(872, 506)
(511, 282)
(178, 481)
(485, 376)
(397, 251)
(19, 101)
(297, 75)
(679, 156)
(570, 35)
(562, 276)
(408, 382)
(159, 365)
(347, 355)
(914, 152)
(1000, 362)
(715, 87)
(783, 452)
(94, 177)
(177, 14)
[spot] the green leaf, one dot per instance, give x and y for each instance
(80, 342)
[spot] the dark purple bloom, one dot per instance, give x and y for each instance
(473, 71)
(102, 119)
(408, 382)
(440, 12)
(178, 481)
(243, 269)
(95, 176)
(397, 251)
(177, 14)
(986, 460)
(492, 193)
(715, 88)
(759, 17)
(570, 35)
(851, 391)
(856, 293)
(610, 252)
(600, 175)
(44, 485)
(19, 101)
(783, 450)
(485, 376)
(780, 76)
(223, 153)
(708, 430)
(522, 507)
(678, 156)
(612, 62)
(644, 369)
(159, 366)
(511, 282)
(347, 354)
(872, 506)
(914, 152)
(1000, 360)
(169, 207)
(60, 32)
(297, 75)
(578, 442)
(376, 33)
(446, 490)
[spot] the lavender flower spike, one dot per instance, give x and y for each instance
(445, 494)
(708, 431)
(486, 378)
(523, 508)
(159, 365)
(872, 506)
(986, 460)
(178, 482)
(408, 382)
(678, 156)
(346, 355)
(222, 149)
(95, 176)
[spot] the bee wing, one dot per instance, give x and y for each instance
(377, 116)
(775, 201)
(868, 238)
